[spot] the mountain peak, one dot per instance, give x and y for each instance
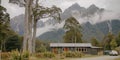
(92, 6)
(75, 4)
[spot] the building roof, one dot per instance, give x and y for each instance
(95, 47)
(70, 45)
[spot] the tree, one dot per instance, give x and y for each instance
(118, 39)
(40, 12)
(106, 41)
(13, 42)
(113, 44)
(7, 35)
(4, 27)
(33, 13)
(72, 28)
(95, 42)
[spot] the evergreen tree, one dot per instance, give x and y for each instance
(13, 42)
(4, 27)
(6, 32)
(73, 33)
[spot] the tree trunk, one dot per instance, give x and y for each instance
(34, 35)
(27, 42)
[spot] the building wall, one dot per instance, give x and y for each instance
(86, 50)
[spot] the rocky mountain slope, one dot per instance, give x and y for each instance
(95, 22)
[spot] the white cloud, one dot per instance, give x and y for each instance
(15, 10)
(12, 9)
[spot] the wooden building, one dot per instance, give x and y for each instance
(86, 48)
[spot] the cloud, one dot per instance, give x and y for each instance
(12, 9)
(113, 5)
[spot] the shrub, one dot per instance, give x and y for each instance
(48, 54)
(39, 55)
(15, 55)
(73, 54)
(5, 55)
(19, 56)
(45, 55)
(25, 54)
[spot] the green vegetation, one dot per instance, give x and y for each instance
(9, 40)
(73, 33)
(95, 42)
(109, 42)
(73, 54)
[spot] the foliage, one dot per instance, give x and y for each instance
(4, 26)
(73, 54)
(39, 55)
(25, 54)
(95, 42)
(73, 33)
(48, 54)
(113, 44)
(13, 42)
(106, 41)
(118, 39)
(16, 55)
(7, 35)
(5, 55)
(45, 55)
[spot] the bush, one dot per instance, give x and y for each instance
(49, 54)
(19, 56)
(45, 55)
(73, 54)
(25, 54)
(15, 55)
(39, 55)
(5, 55)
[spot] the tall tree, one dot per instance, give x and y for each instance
(73, 34)
(118, 39)
(113, 44)
(13, 42)
(106, 41)
(33, 13)
(4, 26)
(40, 12)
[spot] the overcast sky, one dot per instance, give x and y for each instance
(113, 5)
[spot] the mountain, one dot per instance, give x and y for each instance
(17, 24)
(75, 8)
(89, 30)
(92, 19)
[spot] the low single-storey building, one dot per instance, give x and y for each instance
(86, 48)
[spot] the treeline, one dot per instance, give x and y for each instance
(73, 35)
(8, 38)
(109, 42)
